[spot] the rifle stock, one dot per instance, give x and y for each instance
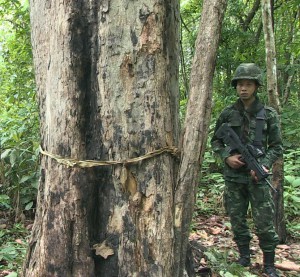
(231, 139)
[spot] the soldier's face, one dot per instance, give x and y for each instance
(246, 89)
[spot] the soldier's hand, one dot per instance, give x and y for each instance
(235, 161)
(253, 174)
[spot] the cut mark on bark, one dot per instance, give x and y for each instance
(116, 220)
(148, 203)
(131, 184)
(128, 181)
(136, 199)
(178, 215)
(127, 67)
(150, 38)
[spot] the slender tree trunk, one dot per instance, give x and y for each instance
(107, 80)
(273, 94)
(270, 55)
(196, 123)
(289, 57)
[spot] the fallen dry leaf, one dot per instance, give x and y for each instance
(203, 230)
(19, 241)
(215, 230)
(203, 262)
(202, 234)
(194, 236)
(287, 265)
(283, 246)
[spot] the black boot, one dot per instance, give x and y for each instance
(269, 268)
(244, 259)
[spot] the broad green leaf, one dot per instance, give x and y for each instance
(5, 153)
(13, 157)
(24, 179)
(29, 206)
(296, 199)
(290, 179)
(296, 182)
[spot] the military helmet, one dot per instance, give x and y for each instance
(249, 71)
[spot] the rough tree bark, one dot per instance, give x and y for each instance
(107, 81)
(196, 122)
(273, 95)
(290, 59)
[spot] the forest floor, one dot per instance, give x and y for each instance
(212, 247)
(212, 236)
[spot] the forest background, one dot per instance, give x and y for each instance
(241, 41)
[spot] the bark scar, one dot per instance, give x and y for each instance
(150, 36)
(127, 67)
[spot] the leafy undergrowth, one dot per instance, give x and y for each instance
(215, 252)
(13, 245)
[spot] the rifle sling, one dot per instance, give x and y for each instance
(260, 120)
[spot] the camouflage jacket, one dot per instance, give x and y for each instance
(244, 124)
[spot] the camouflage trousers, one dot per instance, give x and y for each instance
(238, 197)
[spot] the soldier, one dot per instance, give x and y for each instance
(258, 125)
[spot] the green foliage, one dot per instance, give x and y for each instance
(182, 109)
(18, 109)
(292, 195)
(243, 41)
(221, 263)
(210, 191)
(13, 248)
(21, 175)
(292, 191)
(190, 15)
(290, 128)
(5, 202)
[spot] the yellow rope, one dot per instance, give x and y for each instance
(91, 163)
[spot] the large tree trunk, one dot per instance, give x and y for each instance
(107, 79)
(196, 123)
(273, 95)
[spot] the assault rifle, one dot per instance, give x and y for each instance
(249, 152)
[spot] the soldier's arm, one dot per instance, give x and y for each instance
(274, 140)
(217, 144)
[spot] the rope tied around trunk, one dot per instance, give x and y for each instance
(70, 162)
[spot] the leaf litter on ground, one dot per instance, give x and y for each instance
(214, 232)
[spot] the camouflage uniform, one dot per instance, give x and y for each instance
(240, 190)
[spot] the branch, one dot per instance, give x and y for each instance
(251, 15)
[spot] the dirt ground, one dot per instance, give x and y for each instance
(214, 233)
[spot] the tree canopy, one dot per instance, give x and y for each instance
(243, 41)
